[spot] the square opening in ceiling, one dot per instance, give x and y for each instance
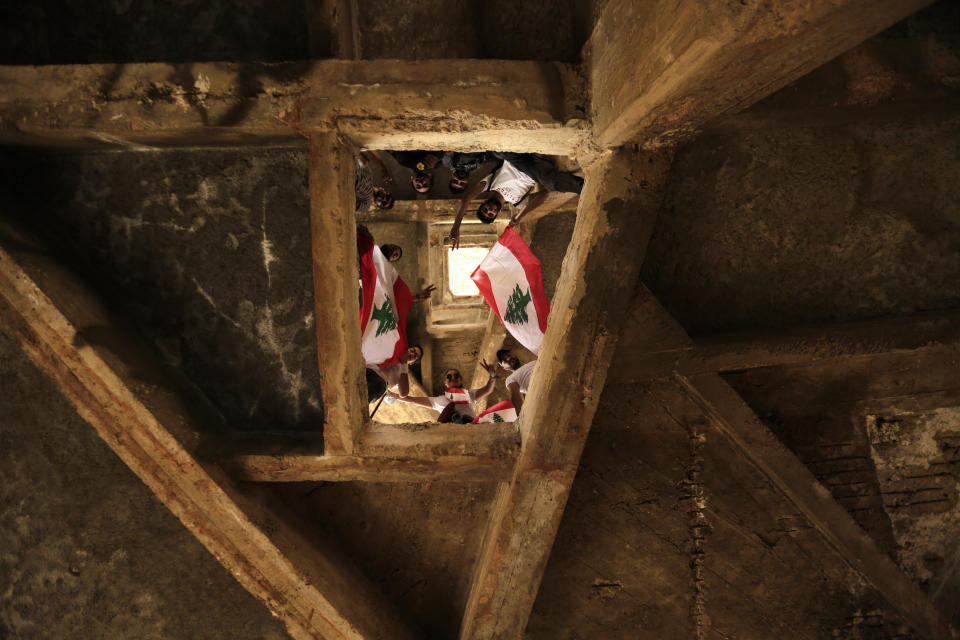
(460, 264)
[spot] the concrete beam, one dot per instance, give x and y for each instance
(343, 386)
(153, 421)
(918, 333)
(441, 211)
(389, 453)
(621, 197)
(433, 104)
(661, 69)
(730, 415)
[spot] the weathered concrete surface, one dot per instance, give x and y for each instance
(51, 32)
(164, 236)
(417, 541)
(385, 453)
(771, 224)
(877, 435)
(921, 334)
(333, 238)
(659, 70)
(88, 550)
(153, 422)
(532, 30)
(445, 104)
(585, 320)
(670, 533)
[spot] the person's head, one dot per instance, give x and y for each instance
(413, 354)
(452, 378)
(507, 360)
(422, 181)
(459, 179)
(391, 252)
(489, 210)
(382, 198)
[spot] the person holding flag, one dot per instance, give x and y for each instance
(385, 302)
(509, 279)
(457, 405)
(518, 382)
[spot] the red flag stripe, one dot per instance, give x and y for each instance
(500, 406)
(368, 276)
(531, 269)
(402, 301)
(482, 280)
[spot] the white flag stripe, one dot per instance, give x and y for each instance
(505, 271)
(376, 348)
(460, 396)
(506, 415)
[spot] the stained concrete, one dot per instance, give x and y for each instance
(123, 31)
(207, 251)
(748, 238)
(86, 550)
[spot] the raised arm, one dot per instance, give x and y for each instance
(420, 400)
(404, 385)
(534, 201)
(469, 195)
(487, 389)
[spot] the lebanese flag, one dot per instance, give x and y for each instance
(500, 412)
(457, 395)
(386, 303)
(509, 279)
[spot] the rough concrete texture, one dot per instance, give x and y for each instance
(773, 225)
(669, 533)
(86, 550)
(207, 251)
(51, 32)
(880, 434)
(419, 29)
(417, 541)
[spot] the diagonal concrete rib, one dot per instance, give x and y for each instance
(876, 338)
(662, 68)
(621, 198)
(426, 104)
(731, 415)
(650, 328)
(150, 418)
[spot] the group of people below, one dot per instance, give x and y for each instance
(458, 404)
(523, 180)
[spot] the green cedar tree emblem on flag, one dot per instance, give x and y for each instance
(497, 418)
(517, 306)
(386, 319)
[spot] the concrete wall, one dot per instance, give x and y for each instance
(207, 252)
(87, 550)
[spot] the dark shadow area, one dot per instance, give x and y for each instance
(124, 31)
(88, 550)
(416, 541)
(206, 252)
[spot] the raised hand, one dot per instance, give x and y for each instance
(427, 292)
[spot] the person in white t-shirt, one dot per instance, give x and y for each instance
(523, 180)
(457, 404)
(517, 382)
(398, 375)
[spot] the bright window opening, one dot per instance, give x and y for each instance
(460, 264)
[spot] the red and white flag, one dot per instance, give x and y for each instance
(457, 395)
(500, 412)
(509, 279)
(386, 303)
